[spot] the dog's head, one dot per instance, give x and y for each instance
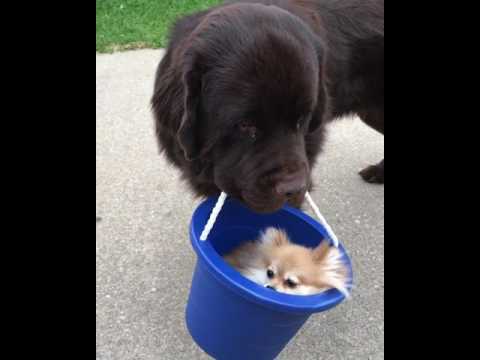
(254, 94)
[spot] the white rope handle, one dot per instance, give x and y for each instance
(221, 201)
(213, 216)
(322, 220)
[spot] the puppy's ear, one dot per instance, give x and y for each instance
(275, 237)
(321, 252)
(331, 267)
(188, 134)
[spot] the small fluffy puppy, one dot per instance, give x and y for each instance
(278, 264)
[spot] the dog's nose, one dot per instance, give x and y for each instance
(270, 287)
(291, 185)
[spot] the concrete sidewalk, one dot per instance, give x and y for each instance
(144, 261)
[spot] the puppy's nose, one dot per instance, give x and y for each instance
(292, 184)
(270, 287)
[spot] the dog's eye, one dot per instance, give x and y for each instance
(248, 128)
(244, 126)
(290, 283)
(270, 274)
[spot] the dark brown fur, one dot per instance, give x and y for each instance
(244, 91)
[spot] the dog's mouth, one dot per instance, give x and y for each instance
(263, 208)
(269, 203)
(269, 194)
(270, 197)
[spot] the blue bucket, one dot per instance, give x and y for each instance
(229, 316)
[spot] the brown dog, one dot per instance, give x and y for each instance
(245, 89)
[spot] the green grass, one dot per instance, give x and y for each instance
(132, 24)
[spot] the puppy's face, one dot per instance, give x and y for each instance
(297, 270)
(255, 104)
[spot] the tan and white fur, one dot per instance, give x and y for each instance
(275, 262)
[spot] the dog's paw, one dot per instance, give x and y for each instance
(374, 174)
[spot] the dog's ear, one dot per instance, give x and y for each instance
(188, 134)
(322, 109)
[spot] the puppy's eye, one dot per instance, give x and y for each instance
(290, 283)
(270, 274)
